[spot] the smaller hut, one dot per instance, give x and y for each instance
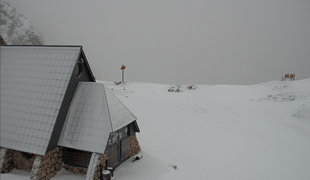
(99, 131)
(288, 77)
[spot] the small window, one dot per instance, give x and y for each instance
(120, 135)
(78, 69)
(128, 130)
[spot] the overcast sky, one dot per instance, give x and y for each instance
(181, 41)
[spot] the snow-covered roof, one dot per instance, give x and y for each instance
(94, 113)
(34, 80)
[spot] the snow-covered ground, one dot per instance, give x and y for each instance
(216, 132)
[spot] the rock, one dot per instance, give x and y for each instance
(50, 164)
(5, 161)
(48, 170)
(75, 170)
(57, 166)
(60, 154)
(16, 29)
(43, 173)
(49, 176)
(59, 161)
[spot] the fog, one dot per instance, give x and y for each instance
(179, 41)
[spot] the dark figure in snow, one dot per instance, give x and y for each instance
(135, 158)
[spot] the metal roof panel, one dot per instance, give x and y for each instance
(94, 113)
(33, 84)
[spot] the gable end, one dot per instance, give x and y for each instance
(85, 75)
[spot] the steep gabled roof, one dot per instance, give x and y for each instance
(94, 113)
(34, 80)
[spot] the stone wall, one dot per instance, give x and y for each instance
(134, 147)
(101, 160)
(75, 170)
(93, 171)
(93, 168)
(45, 167)
(22, 162)
(6, 160)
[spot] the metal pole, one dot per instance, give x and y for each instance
(123, 67)
(122, 75)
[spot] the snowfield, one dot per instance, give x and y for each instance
(215, 132)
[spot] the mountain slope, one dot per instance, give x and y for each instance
(223, 131)
(17, 29)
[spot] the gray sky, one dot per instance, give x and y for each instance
(181, 41)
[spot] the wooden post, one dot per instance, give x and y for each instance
(100, 172)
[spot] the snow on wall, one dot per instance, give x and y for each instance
(35, 167)
(2, 155)
(92, 166)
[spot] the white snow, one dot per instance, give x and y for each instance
(216, 132)
(2, 155)
(91, 169)
(35, 167)
(17, 29)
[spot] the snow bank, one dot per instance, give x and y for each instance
(224, 131)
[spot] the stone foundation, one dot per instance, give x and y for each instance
(6, 160)
(134, 147)
(45, 167)
(75, 170)
(21, 162)
(93, 172)
(101, 160)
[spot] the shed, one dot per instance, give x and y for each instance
(288, 77)
(97, 122)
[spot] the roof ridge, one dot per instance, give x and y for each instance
(45, 46)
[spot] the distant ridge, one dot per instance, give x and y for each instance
(17, 29)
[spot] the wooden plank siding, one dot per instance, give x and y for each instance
(76, 157)
(118, 152)
(125, 149)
